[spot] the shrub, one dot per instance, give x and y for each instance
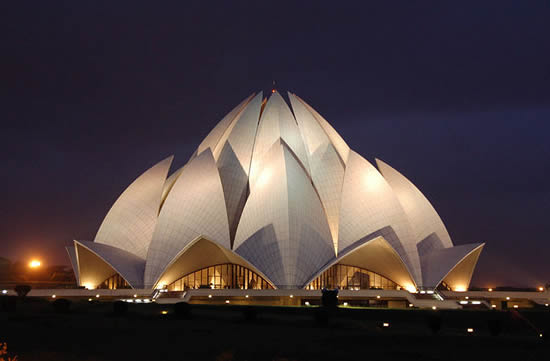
(321, 316)
(329, 299)
(250, 313)
(8, 304)
(61, 305)
(495, 327)
(182, 310)
(22, 290)
(120, 308)
(434, 323)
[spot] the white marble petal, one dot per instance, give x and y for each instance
(283, 230)
(130, 223)
(422, 216)
(195, 207)
(368, 205)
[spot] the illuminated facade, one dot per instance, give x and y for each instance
(273, 198)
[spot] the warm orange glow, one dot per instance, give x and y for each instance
(541, 288)
(273, 90)
(490, 290)
(460, 289)
(35, 263)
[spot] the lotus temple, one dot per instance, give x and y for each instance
(273, 203)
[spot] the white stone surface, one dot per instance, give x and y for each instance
(130, 223)
(339, 143)
(215, 134)
(126, 264)
(71, 251)
(277, 122)
(422, 216)
(368, 205)
(438, 263)
(233, 155)
(326, 166)
(195, 207)
(283, 229)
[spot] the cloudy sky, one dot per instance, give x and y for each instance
(455, 95)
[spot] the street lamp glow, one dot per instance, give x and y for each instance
(35, 263)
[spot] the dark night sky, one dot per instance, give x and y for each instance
(455, 95)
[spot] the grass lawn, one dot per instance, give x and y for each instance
(91, 331)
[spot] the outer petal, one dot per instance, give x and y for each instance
(130, 223)
(74, 262)
(199, 254)
(423, 218)
(97, 262)
(368, 205)
(283, 229)
(376, 254)
(454, 265)
(194, 207)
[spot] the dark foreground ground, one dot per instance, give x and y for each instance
(92, 331)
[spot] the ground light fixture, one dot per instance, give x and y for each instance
(89, 300)
(164, 312)
(470, 330)
(345, 304)
(386, 324)
(306, 303)
(540, 335)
